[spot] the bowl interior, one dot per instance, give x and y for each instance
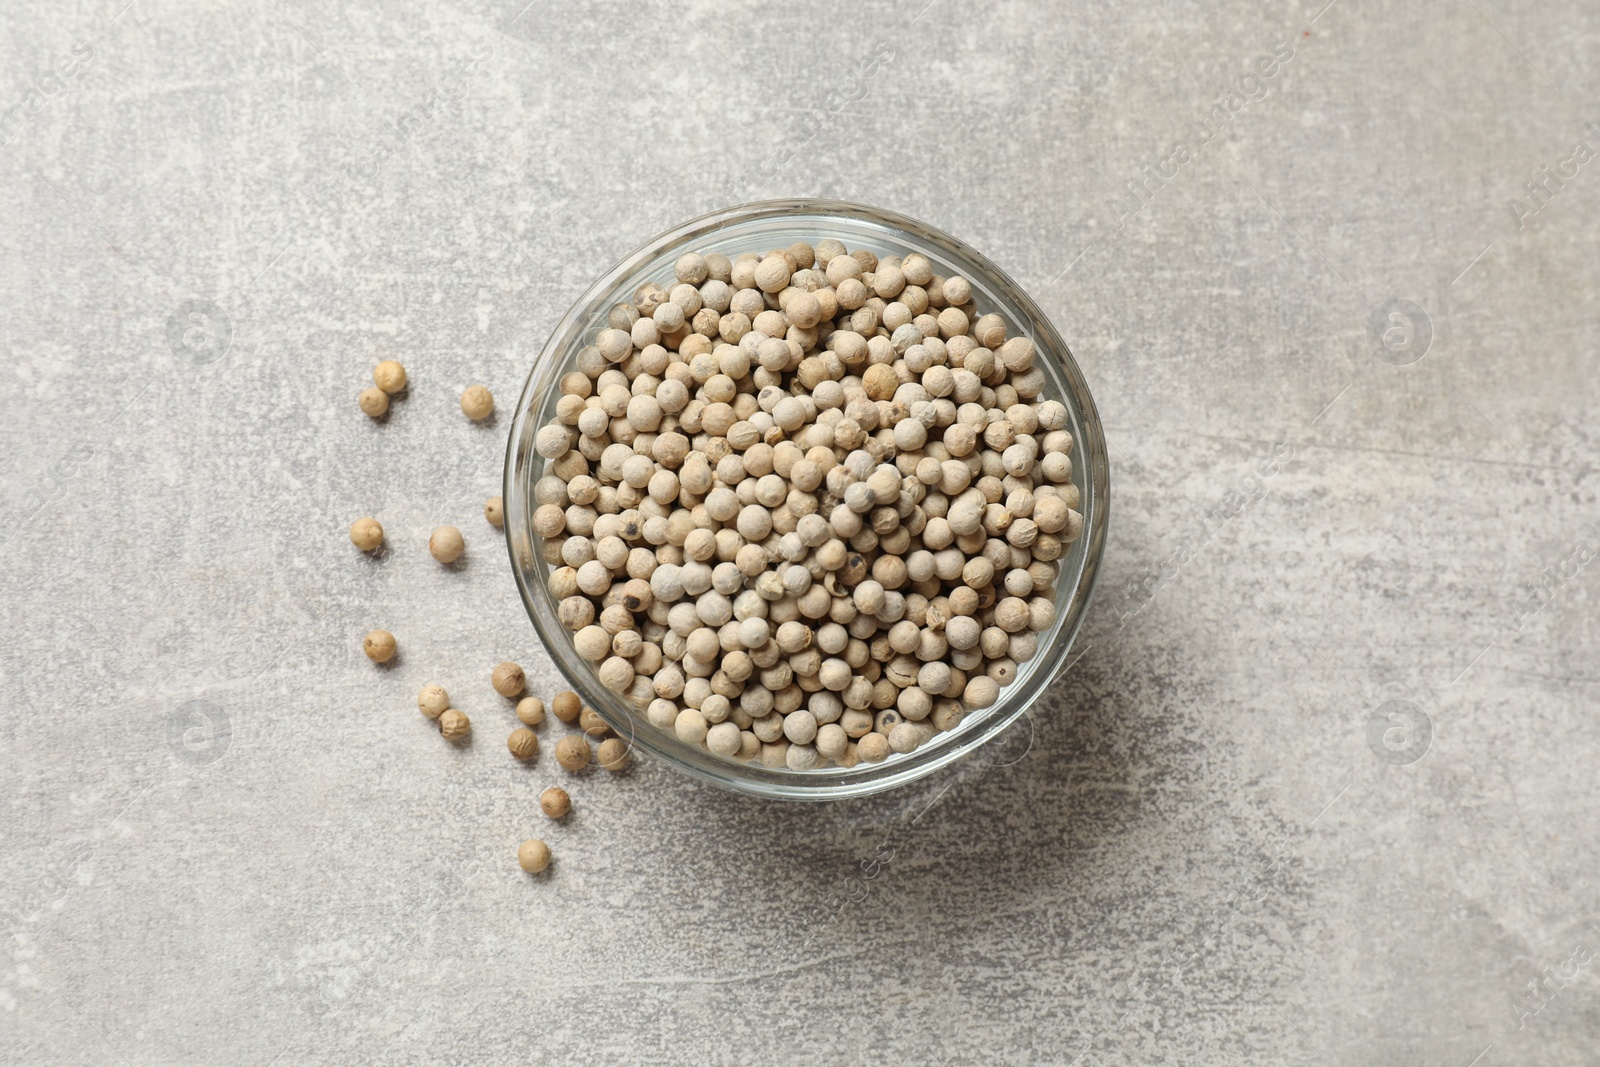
(756, 228)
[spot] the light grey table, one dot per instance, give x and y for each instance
(1319, 791)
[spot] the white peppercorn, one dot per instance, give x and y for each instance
(800, 727)
(533, 855)
(612, 755)
(873, 748)
(374, 402)
(477, 403)
(508, 680)
(379, 646)
(454, 725)
(573, 752)
(530, 711)
(981, 692)
(389, 376)
(523, 743)
(723, 739)
(446, 544)
(432, 701)
(690, 726)
(555, 802)
(366, 534)
(616, 674)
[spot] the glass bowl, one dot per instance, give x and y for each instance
(754, 228)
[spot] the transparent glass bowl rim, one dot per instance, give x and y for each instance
(1091, 473)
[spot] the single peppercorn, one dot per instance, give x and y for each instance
(566, 706)
(494, 511)
(508, 680)
(523, 743)
(555, 802)
(379, 645)
(533, 855)
(873, 748)
(433, 701)
(530, 711)
(446, 544)
(366, 534)
(477, 403)
(389, 376)
(454, 725)
(590, 722)
(374, 402)
(573, 752)
(613, 754)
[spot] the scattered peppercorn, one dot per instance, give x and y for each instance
(374, 402)
(555, 802)
(533, 855)
(477, 403)
(508, 680)
(613, 754)
(494, 511)
(566, 706)
(379, 646)
(590, 722)
(454, 725)
(366, 534)
(389, 376)
(523, 743)
(433, 701)
(572, 752)
(446, 544)
(530, 711)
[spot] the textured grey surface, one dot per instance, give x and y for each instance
(1200, 850)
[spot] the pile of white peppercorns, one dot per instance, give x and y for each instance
(805, 506)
